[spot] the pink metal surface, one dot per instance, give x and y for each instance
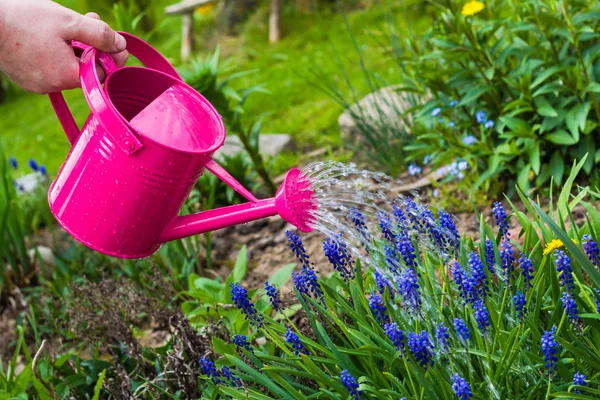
(146, 142)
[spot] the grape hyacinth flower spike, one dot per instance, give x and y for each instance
(273, 294)
(526, 270)
(462, 330)
(208, 368)
(461, 388)
(501, 218)
(378, 308)
(580, 380)
(421, 347)
(563, 266)
(549, 350)
(490, 256)
(229, 376)
(298, 248)
(338, 255)
(442, 336)
(591, 250)
(293, 339)
(395, 334)
(240, 298)
(350, 384)
(241, 342)
(519, 303)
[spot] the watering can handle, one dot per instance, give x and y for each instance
(149, 56)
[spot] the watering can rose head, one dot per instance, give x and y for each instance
(148, 139)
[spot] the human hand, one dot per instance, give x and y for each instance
(35, 43)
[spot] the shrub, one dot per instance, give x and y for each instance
(434, 318)
(515, 88)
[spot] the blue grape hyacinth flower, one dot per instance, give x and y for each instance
(526, 270)
(482, 315)
(395, 334)
(478, 280)
(382, 282)
(350, 384)
(407, 251)
(570, 307)
(442, 336)
(399, 216)
(579, 379)
(449, 229)
(490, 256)
(229, 376)
(591, 249)
(563, 266)
(462, 280)
(273, 294)
(501, 218)
(453, 103)
(507, 258)
(596, 301)
(358, 220)
(241, 342)
(13, 162)
(240, 298)
(436, 111)
(421, 347)
(519, 302)
(293, 339)
(392, 259)
(338, 255)
(378, 308)
(385, 223)
(298, 248)
(462, 330)
(489, 124)
(42, 170)
(549, 350)
(461, 387)
(208, 368)
(33, 165)
(408, 287)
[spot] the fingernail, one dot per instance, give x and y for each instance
(120, 42)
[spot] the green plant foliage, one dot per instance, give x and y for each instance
(515, 88)
(206, 77)
(344, 336)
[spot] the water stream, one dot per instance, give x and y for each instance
(344, 194)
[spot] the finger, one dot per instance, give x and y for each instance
(121, 58)
(96, 33)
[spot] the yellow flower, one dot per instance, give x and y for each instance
(555, 244)
(205, 9)
(472, 8)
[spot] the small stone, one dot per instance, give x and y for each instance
(382, 109)
(28, 183)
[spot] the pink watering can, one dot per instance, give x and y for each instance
(147, 141)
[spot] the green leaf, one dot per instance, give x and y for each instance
(557, 167)
(563, 198)
(544, 108)
(98, 386)
(473, 95)
(534, 158)
(584, 109)
(593, 87)
(239, 271)
(545, 75)
(561, 137)
(571, 121)
(222, 347)
(282, 275)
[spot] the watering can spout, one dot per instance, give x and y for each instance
(294, 202)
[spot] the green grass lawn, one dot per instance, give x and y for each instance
(29, 128)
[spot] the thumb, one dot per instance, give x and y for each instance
(96, 33)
